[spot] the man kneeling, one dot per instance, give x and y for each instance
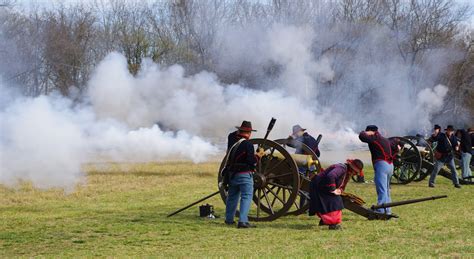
(326, 188)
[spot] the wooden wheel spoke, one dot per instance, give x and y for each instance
(276, 196)
(279, 163)
(281, 186)
(271, 157)
(258, 203)
(268, 202)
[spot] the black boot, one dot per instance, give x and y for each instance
(360, 179)
(335, 227)
(245, 225)
(321, 223)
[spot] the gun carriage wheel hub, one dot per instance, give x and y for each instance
(260, 181)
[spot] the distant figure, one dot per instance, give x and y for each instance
(325, 190)
(242, 164)
(300, 135)
(471, 133)
(466, 152)
(381, 151)
(444, 153)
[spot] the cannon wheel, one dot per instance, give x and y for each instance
(296, 209)
(427, 156)
(407, 163)
(276, 183)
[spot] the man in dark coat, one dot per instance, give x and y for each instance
(466, 152)
(326, 188)
(444, 153)
(382, 152)
(301, 136)
(242, 162)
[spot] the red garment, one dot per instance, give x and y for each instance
(331, 218)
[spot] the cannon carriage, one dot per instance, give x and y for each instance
(428, 160)
(279, 179)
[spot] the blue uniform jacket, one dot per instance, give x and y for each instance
(245, 158)
(380, 147)
(309, 141)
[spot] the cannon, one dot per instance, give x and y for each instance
(407, 162)
(427, 156)
(278, 182)
(428, 160)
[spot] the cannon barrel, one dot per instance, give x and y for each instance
(300, 160)
(400, 203)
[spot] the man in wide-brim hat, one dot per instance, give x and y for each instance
(242, 161)
(326, 188)
(444, 154)
(299, 136)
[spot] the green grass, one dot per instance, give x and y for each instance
(118, 213)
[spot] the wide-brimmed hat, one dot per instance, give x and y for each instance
(356, 164)
(450, 128)
(371, 128)
(246, 126)
(297, 128)
(436, 126)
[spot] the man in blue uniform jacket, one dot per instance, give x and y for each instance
(242, 165)
(444, 153)
(300, 135)
(381, 150)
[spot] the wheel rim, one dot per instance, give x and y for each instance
(427, 156)
(297, 208)
(407, 163)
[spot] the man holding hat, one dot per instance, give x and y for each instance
(242, 162)
(325, 190)
(382, 160)
(444, 153)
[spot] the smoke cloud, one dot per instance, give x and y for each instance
(163, 113)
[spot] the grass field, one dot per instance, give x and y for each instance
(122, 212)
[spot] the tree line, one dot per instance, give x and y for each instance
(56, 48)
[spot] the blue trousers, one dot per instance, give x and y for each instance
(466, 161)
(439, 165)
(240, 187)
(383, 173)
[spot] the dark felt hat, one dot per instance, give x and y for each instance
(246, 126)
(371, 128)
(450, 128)
(436, 126)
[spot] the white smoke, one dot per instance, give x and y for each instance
(164, 114)
(47, 139)
(430, 101)
(198, 103)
